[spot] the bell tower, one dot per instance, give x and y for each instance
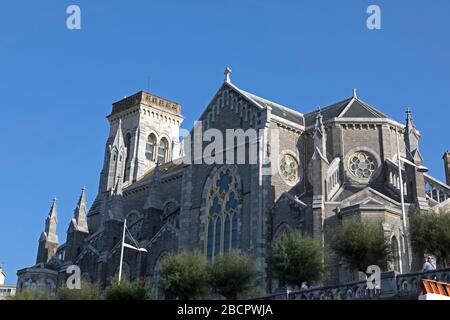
(148, 127)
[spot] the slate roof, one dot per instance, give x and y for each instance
(277, 109)
(165, 169)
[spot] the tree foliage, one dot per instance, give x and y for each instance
(128, 290)
(431, 232)
(184, 276)
(87, 291)
(362, 244)
(232, 274)
(297, 259)
(30, 294)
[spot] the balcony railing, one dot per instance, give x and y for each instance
(435, 189)
(393, 286)
(333, 177)
(393, 178)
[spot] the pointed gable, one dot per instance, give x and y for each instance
(349, 108)
(262, 103)
(358, 109)
(369, 196)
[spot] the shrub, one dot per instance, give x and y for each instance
(362, 244)
(87, 291)
(184, 276)
(297, 259)
(31, 295)
(231, 274)
(128, 290)
(431, 232)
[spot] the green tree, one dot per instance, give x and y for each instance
(87, 291)
(232, 274)
(184, 276)
(362, 244)
(431, 232)
(297, 259)
(128, 290)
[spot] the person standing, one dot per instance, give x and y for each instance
(428, 265)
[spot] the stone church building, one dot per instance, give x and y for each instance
(328, 165)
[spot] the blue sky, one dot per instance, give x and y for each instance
(57, 86)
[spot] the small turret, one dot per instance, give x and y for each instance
(319, 168)
(412, 138)
(415, 180)
(78, 229)
(48, 241)
(446, 158)
(320, 140)
(79, 221)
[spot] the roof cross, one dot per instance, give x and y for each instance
(227, 73)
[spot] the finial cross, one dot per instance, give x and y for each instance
(227, 73)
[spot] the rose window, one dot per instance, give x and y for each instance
(362, 165)
(289, 169)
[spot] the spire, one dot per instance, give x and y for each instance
(154, 193)
(118, 138)
(48, 241)
(51, 223)
(227, 73)
(409, 117)
(319, 135)
(354, 93)
(117, 162)
(80, 220)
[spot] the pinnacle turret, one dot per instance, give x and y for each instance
(319, 136)
(48, 241)
(79, 220)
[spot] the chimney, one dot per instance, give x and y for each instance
(446, 158)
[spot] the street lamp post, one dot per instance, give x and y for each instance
(405, 262)
(128, 246)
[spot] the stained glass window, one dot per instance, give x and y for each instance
(222, 214)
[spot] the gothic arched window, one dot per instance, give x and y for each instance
(222, 213)
(395, 254)
(150, 147)
(162, 151)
